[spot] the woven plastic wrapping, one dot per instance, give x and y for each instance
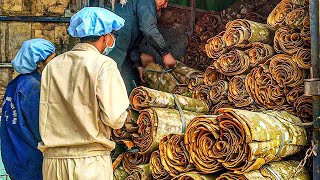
(156, 78)
(154, 123)
(120, 173)
(142, 98)
(273, 170)
(242, 32)
(183, 73)
(249, 140)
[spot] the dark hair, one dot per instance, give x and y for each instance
(90, 39)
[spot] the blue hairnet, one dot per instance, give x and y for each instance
(31, 52)
(94, 21)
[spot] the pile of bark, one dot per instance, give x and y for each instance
(239, 119)
(173, 144)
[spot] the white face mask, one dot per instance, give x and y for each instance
(107, 50)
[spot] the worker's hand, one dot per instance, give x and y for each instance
(140, 69)
(168, 61)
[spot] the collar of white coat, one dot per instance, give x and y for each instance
(85, 47)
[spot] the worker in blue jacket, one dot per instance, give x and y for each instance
(20, 112)
(140, 21)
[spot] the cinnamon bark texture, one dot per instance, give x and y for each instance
(233, 63)
(174, 156)
(200, 139)
(156, 167)
(212, 75)
(238, 94)
(131, 160)
(241, 32)
(154, 123)
(142, 98)
(259, 53)
(249, 140)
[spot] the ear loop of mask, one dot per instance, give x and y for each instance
(114, 41)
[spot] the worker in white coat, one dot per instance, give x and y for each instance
(83, 97)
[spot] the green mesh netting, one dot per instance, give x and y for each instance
(215, 5)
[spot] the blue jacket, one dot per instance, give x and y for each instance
(20, 128)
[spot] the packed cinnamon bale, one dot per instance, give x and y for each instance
(261, 137)
(288, 40)
(242, 141)
(233, 63)
(238, 94)
(288, 12)
(212, 75)
(174, 156)
(132, 160)
(157, 78)
(124, 135)
(201, 137)
(143, 98)
(183, 73)
(242, 32)
(183, 90)
(172, 80)
(216, 46)
(156, 167)
(154, 123)
(195, 80)
(259, 53)
(265, 91)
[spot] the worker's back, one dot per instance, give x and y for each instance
(20, 127)
(69, 107)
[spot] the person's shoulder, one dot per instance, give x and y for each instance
(107, 65)
(107, 62)
(148, 2)
(27, 84)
